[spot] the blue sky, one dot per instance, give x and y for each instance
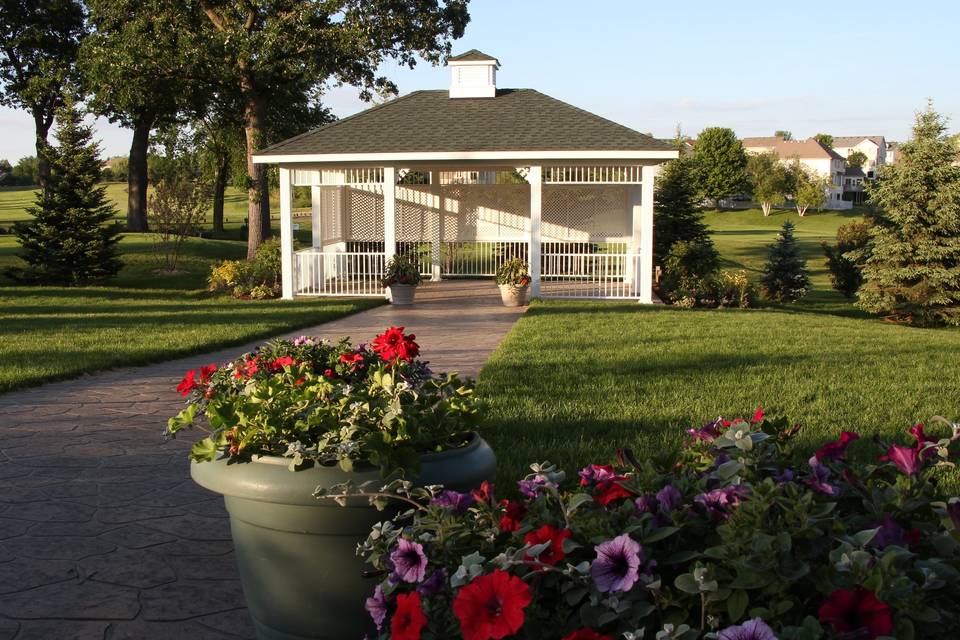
(839, 67)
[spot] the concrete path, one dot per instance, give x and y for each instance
(102, 533)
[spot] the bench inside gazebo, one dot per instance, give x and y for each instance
(465, 178)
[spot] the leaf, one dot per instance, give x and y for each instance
(203, 450)
(737, 604)
(659, 534)
(576, 501)
(687, 583)
(751, 580)
(681, 557)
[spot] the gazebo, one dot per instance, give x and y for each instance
(465, 178)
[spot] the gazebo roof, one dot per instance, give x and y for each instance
(516, 120)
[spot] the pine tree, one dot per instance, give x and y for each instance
(785, 277)
(677, 213)
(913, 272)
(71, 239)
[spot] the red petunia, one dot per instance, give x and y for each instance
(247, 368)
(548, 533)
(329, 373)
(491, 606)
(281, 362)
(610, 491)
(393, 346)
(585, 634)
(837, 449)
(757, 416)
(408, 620)
(206, 372)
(857, 610)
(484, 493)
(188, 384)
(512, 516)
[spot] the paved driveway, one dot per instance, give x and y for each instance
(102, 533)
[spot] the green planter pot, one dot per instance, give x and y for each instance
(297, 555)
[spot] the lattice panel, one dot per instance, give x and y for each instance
(581, 213)
(485, 212)
(331, 214)
(418, 215)
(364, 213)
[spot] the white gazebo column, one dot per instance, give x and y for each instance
(286, 233)
(316, 221)
(389, 214)
(645, 288)
(634, 215)
(436, 244)
(535, 178)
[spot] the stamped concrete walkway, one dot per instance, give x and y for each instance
(102, 533)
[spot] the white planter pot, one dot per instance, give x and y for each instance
(514, 296)
(402, 294)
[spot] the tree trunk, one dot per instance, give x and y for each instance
(42, 125)
(219, 191)
(253, 119)
(137, 175)
(766, 206)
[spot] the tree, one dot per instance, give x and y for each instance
(142, 64)
(721, 164)
(271, 47)
(857, 159)
(6, 172)
(38, 47)
(782, 133)
(178, 208)
(825, 139)
(785, 277)
(845, 258)
(768, 180)
(809, 189)
(70, 240)
(26, 172)
(677, 215)
(913, 272)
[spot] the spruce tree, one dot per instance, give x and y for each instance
(71, 239)
(913, 272)
(677, 215)
(785, 277)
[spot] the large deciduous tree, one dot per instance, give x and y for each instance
(913, 272)
(824, 138)
(721, 164)
(142, 64)
(270, 45)
(38, 48)
(768, 180)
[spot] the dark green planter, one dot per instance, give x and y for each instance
(297, 555)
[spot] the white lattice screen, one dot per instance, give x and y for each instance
(364, 213)
(584, 213)
(479, 212)
(418, 213)
(331, 214)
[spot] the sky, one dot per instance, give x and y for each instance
(842, 68)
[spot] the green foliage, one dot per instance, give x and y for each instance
(329, 403)
(809, 189)
(783, 133)
(785, 277)
(178, 209)
(768, 180)
(70, 240)
(913, 272)
(514, 272)
(258, 278)
(689, 271)
(825, 139)
(721, 163)
(25, 173)
(677, 216)
(857, 159)
(846, 257)
(402, 268)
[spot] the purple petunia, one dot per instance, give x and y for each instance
(669, 498)
(594, 473)
(708, 433)
(617, 566)
(432, 585)
(755, 629)
(409, 561)
(453, 500)
(533, 486)
(377, 607)
(303, 341)
(818, 479)
(644, 504)
(784, 476)
(720, 502)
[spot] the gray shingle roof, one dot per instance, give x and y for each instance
(474, 55)
(852, 141)
(431, 121)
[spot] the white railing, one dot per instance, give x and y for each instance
(355, 273)
(590, 275)
(479, 258)
(617, 174)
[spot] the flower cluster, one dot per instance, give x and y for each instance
(514, 272)
(728, 539)
(326, 402)
(402, 269)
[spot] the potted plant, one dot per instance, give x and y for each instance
(401, 278)
(295, 416)
(731, 538)
(513, 276)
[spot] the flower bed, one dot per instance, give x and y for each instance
(725, 541)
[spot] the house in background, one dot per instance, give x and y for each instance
(893, 152)
(812, 154)
(874, 147)
(853, 181)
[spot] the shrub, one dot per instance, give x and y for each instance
(734, 289)
(785, 276)
(689, 272)
(727, 539)
(178, 207)
(514, 272)
(319, 402)
(402, 268)
(258, 278)
(845, 270)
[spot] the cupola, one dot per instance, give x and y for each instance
(473, 75)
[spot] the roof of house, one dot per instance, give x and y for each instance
(431, 121)
(852, 141)
(854, 172)
(809, 148)
(474, 55)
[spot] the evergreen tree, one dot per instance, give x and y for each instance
(71, 239)
(785, 276)
(721, 164)
(844, 259)
(913, 272)
(677, 213)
